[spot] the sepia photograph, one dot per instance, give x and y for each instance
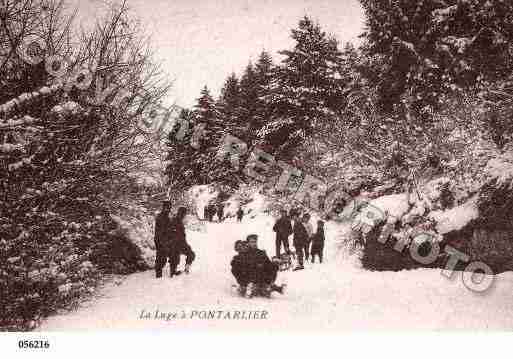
(236, 166)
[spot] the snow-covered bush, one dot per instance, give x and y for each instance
(478, 223)
(65, 158)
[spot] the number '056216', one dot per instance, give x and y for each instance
(33, 344)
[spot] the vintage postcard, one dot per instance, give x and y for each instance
(244, 166)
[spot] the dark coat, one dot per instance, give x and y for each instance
(259, 267)
(283, 227)
(318, 241)
(256, 259)
(318, 237)
(163, 231)
(177, 230)
(238, 262)
(239, 268)
(300, 234)
(220, 210)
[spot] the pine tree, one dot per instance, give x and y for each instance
(185, 168)
(307, 88)
(264, 70)
(249, 102)
(228, 105)
(194, 158)
(434, 48)
(205, 108)
(206, 113)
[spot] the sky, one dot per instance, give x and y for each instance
(200, 42)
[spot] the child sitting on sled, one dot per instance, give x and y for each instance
(254, 271)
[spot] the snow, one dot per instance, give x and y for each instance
(432, 189)
(17, 165)
(14, 123)
(231, 207)
(396, 205)
(459, 43)
(9, 147)
(140, 232)
(202, 195)
(455, 218)
(258, 204)
(337, 295)
(407, 45)
(501, 169)
(16, 102)
(67, 107)
(244, 194)
(440, 15)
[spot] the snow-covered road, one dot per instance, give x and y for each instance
(337, 295)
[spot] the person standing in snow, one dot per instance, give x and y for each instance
(300, 241)
(211, 211)
(318, 242)
(309, 231)
(163, 232)
(220, 211)
(240, 214)
(179, 243)
(283, 229)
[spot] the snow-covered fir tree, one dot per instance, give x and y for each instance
(306, 88)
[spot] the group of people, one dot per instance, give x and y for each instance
(211, 210)
(171, 242)
(306, 243)
(254, 271)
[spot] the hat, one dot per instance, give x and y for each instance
(251, 236)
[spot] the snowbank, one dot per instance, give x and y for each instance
(395, 205)
(249, 199)
(433, 188)
(501, 169)
(139, 231)
(201, 197)
(455, 218)
(257, 205)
